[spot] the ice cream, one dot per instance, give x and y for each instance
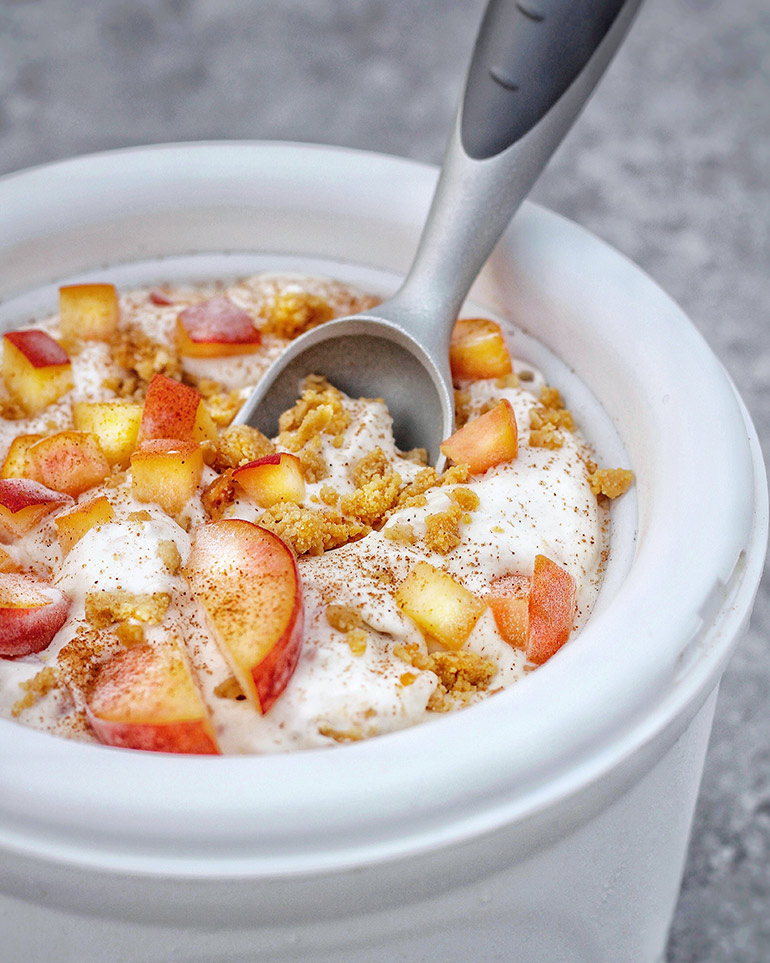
(375, 531)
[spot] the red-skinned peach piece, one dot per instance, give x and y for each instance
(551, 609)
(216, 328)
(166, 471)
(31, 613)
(24, 502)
(36, 369)
(509, 600)
(477, 350)
(486, 441)
(247, 580)
(88, 311)
(272, 479)
(68, 461)
(160, 297)
(145, 697)
(174, 410)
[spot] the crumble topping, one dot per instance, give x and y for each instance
(549, 419)
(103, 608)
(612, 482)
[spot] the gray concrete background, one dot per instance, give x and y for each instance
(670, 163)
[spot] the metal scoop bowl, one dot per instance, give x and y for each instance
(533, 68)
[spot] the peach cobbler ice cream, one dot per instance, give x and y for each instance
(173, 581)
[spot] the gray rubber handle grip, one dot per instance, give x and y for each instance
(527, 54)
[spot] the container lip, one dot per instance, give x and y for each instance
(140, 813)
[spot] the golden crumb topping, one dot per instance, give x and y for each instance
(142, 358)
(240, 444)
(222, 405)
(319, 410)
(612, 482)
(343, 618)
(443, 530)
(549, 419)
(169, 555)
(104, 607)
(310, 532)
(35, 688)
(461, 675)
(294, 312)
(370, 503)
(401, 532)
(230, 688)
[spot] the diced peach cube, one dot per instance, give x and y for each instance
(115, 424)
(68, 461)
(174, 410)
(145, 697)
(36, 369)
(15, 464)
(24, 502)
(88, 311)
(486, 441)
(509, 600)
(441, 607)
(551, 609)
(216, 329)
(166, 471)
(272, 479)
(478, 350)
(70, 528)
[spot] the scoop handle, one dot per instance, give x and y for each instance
(534, 66)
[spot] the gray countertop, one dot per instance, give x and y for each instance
(670, 163)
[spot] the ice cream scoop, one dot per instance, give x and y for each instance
(534, 65)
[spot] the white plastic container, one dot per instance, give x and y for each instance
(547, 825)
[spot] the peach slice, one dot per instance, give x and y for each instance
(36, 369)
(145, 697)
(272, 479)
(68, 461)
(31, 613)
(166, 471)
(551, 609)
(216, 329)
(486, 441)
(70, 528)
(247, 580)
(160, 297)
(115, 424)
(440, 606)
(477, 350)
(15, 464)
(174, 410)
(88, 311)
(23, 502)
(509, 600)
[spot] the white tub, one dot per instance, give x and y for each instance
(547, 825)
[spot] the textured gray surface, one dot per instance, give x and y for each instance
(670, 163)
